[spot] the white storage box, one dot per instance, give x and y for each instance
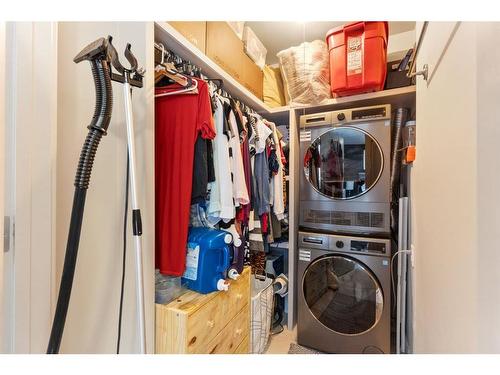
(254, 47)
(237, 27)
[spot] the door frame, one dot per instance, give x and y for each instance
(2, 168)
(31, 148)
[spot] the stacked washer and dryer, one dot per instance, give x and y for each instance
(344, 273)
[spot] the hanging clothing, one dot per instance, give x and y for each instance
(244, 213)
(178, 121)
(210, 161)
(254, 134)
(256, 240)
(221, 205)
(240, 191)
(261, 199)
(261, 192)
(200, 171)
(277, 202)
(264, 133)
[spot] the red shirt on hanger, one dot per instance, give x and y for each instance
(178, 120)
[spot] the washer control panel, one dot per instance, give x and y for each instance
(346, 244)
(368, 247)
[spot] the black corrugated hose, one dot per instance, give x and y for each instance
(97, 128)
(397, 141)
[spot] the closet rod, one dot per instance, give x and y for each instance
(181, 61)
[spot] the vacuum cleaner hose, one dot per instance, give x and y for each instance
(401, 114)
(97, 128)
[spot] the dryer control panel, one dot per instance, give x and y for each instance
(379, 112)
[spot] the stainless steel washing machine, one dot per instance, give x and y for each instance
(345, 174)
(344, 293)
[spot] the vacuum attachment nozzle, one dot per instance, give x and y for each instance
(97, 50)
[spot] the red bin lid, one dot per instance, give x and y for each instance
(350, 25)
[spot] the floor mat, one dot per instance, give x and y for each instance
(299, 349)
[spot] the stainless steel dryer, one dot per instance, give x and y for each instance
(345, 174)
(344, 293)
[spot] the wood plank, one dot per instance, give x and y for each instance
(401, 96)
(231, 336)
(193, 320)
(244, 347)
(206, 323)
(171, 334)
(190, 302)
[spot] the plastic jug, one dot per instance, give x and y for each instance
(207, 260)
(238, 255)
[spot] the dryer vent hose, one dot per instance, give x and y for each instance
(97, 128)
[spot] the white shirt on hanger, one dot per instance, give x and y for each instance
(221, 204)
(277, 179)
(264, 133)
(240, 191)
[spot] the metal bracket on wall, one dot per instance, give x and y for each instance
(7, 233)
(425, 71)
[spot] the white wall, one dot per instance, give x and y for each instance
(488, 186)
(455, 201)
(2, 168)
(91, 325)
(399, 44)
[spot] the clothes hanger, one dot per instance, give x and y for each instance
(255, 115)
(189, 90)
(222, 95)
(167, 69)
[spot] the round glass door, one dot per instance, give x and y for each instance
(343, 295)
(343, 163)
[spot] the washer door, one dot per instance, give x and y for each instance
(342, 294)
(343, 163)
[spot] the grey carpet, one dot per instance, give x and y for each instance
(299, 349)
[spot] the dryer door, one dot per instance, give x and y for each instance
(343, 163)
(343, 294)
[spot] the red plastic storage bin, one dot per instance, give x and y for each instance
(358, 57)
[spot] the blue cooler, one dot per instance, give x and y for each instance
(207, 260)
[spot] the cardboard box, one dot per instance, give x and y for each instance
(195, 32)
(253, 77)
(225, 49)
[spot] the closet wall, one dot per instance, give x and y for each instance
(2, 163)
(455, 199)
(91, 325)
(488, 180)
